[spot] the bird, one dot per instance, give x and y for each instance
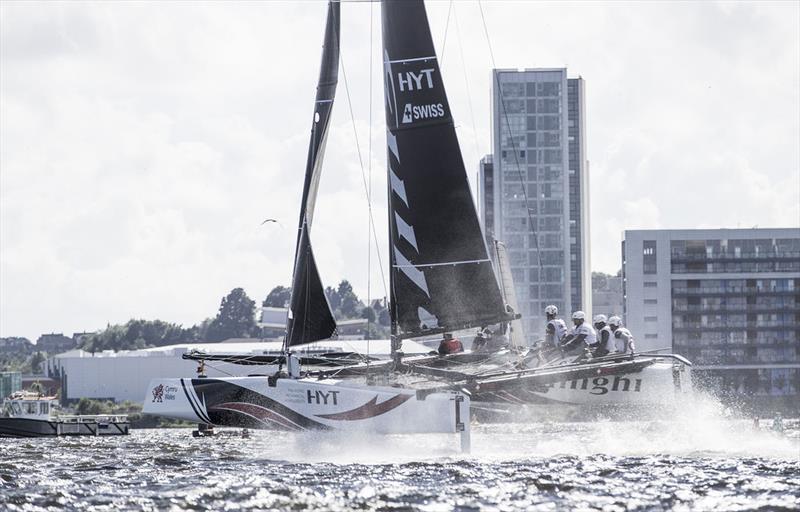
(271, 220)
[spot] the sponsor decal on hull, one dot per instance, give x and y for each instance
(227, 404)
(600, 385)
(369, 409)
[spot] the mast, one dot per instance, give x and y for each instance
(441, 276)
(310, 317)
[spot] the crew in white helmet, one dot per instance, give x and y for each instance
(622, 336)
(605, 339)
(581, 334)
(556, 329)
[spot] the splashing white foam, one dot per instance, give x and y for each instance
(699, 427)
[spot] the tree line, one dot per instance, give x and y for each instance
(235, 318)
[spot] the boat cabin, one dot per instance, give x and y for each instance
(25, 404)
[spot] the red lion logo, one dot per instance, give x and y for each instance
(158, 393)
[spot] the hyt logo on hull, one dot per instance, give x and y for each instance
(321, 397)
(417, 112)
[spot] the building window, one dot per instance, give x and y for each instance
(651, 301)
(649, 256)
(650, 284)
(651, 336)
(651, 319)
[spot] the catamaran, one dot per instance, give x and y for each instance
(441, 280)
(437, 261)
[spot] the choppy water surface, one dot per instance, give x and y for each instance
(697, 464)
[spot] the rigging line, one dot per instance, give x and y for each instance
(444, 39)
(369, 185)
(466, 83)
(363, 177)
(513, 145)
(220, 369)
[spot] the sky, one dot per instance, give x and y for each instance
(142, 144)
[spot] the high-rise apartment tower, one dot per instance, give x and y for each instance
(533, 190)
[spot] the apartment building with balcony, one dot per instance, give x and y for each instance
(728, 299)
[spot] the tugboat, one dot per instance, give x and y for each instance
(29, 414)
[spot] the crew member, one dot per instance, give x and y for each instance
(556, 329)
(582, 335)
(482, 339)
(450, 345)
(605, 339)
(623, 339)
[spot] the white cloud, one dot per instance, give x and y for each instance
(142, 144)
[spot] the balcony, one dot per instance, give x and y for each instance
(737, 308)
(737, 326)
(743, 290)
(728, 257)
(722, 344)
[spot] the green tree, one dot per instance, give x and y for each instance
(384, 318)
(369, 314)
(349, 306)
(333, 298)
(279, 297)
(89, 406)
(600, 280)
(36, 362)
(137, 334)
(236, 317)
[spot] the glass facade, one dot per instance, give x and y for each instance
(576, 190)
(537, 189)
(486, 198)
(738, 322)
(735, 256)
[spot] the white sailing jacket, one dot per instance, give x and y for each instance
(588, 330)
(560, 329)
(624, 340)
(610, 344)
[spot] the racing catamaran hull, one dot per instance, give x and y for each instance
(639, 384)
(304, 404)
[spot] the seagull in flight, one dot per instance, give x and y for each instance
(272, 220)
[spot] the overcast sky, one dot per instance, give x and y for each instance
(142, 144)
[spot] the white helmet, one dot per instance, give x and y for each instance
(579, 315)
(615, 321)
(551, 310)
(600, 319)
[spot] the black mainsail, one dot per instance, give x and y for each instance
(441, 275)
(310, 317)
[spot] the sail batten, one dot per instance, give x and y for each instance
(310, 317)
(441, 276)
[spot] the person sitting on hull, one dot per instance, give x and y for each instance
(556, 329)
(605, 339)
(623, 339)
(450, 345)
(580, 337)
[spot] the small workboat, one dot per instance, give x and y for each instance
(29, 414)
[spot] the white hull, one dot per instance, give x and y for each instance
(644, 381)
(306, 404)
(653, 385)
